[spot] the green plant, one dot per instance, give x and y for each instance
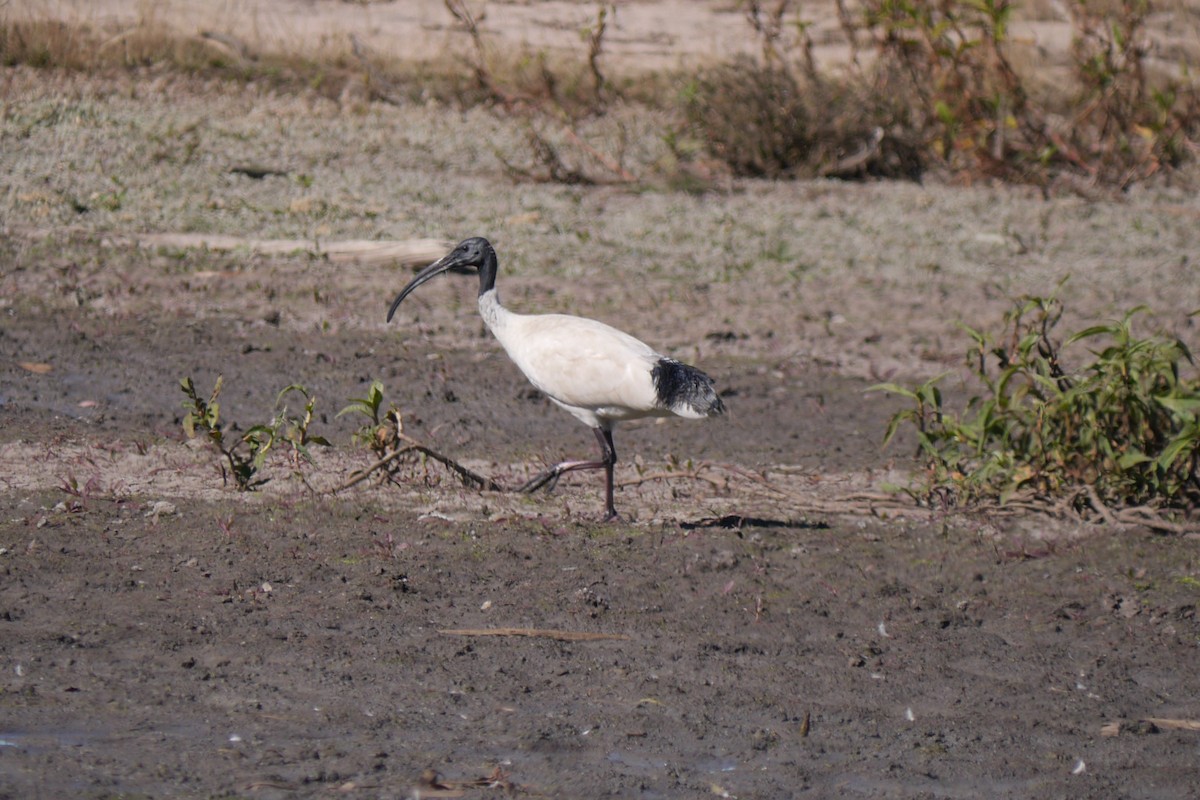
(383, 429)
(1122, 430)
(1128, 125)
(246, 454)
(949, 62)
(293, 431)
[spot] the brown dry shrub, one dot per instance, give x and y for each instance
(754, 118)
(765, 121)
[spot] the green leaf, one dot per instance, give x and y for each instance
(894, 425)
(1184, 406)
(944, 114)
(893, 388)
(1178, 445)
(1112, 329)
(356, 405)
(1132, 459)
(295, 387)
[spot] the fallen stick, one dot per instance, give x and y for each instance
(406, 253)
(464, 474)
(378, 86)
(612, 166)
(1175, 724)
(690, 474)
(361, 475)
(539, 633)
(1111, 729)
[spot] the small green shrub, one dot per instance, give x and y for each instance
(1122, 430)
(293, 431)
(382, 429)
(246, 454)
(948, 61)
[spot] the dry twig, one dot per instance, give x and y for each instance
(1149, 725)
(377, 84)
(405, 252)
(467, 476)
(470, 23)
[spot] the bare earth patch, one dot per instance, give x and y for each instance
(768, 622)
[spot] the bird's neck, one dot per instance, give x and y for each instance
(494, 315)
(487, 273)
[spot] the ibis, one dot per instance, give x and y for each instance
(598, 374)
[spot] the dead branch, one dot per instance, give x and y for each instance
(467, 476)
(1098, 505)
(855, 163)
(548, 155)
(1149, 725)
(378, 87)
(556, 169)
(406, 253)
(1174, 724)
(232, 45)
(360, 475)
(768, 25)
(434, 785)
(688, 474)
(595, 46)
(483, 75)
(610, 164)
(1152, 519)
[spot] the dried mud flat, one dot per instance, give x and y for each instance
(753, 630)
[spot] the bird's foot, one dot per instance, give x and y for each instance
(548, 479)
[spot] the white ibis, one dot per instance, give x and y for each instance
(599, 374)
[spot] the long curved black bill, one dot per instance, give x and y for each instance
(433, 270)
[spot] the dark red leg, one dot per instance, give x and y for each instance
(608, 458)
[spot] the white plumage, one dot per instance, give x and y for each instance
(599, 374)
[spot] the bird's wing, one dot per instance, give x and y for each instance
(583, 363)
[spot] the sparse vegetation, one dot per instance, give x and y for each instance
(935, 86)
(1117, 436)
(931, 86)
(245, 454)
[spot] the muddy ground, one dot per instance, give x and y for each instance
(764, 623)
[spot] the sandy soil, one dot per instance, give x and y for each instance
(764, 624)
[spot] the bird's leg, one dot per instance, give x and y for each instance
(608, 458)
(609, 452)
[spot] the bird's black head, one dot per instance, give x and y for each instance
(475, 253)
